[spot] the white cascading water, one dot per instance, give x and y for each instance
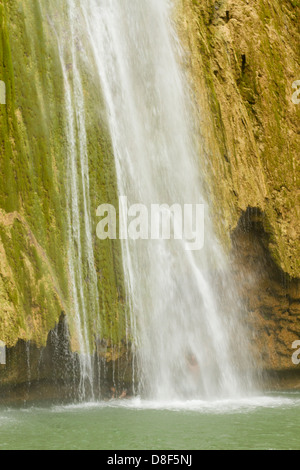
(82, 273)
(185, 314)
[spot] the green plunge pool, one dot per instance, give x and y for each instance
(269, 422)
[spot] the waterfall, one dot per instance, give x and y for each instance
(185, 317)
(82, 273)
(185, 314)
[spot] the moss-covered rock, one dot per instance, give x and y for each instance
(243, 58)
(34, 278)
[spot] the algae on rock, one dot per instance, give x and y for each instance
(34, 279)
(242, 59)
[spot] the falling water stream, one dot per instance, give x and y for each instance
(184, 313)
(184, 307)
(83, 277)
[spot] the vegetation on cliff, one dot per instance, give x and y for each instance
(243, 59)
(34, 280)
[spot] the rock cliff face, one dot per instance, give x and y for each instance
(241, 58)
(272, 299)
(34, 281)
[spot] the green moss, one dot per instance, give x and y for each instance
(33, 159)
(251, 56)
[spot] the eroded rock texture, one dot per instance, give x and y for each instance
(242, 60)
